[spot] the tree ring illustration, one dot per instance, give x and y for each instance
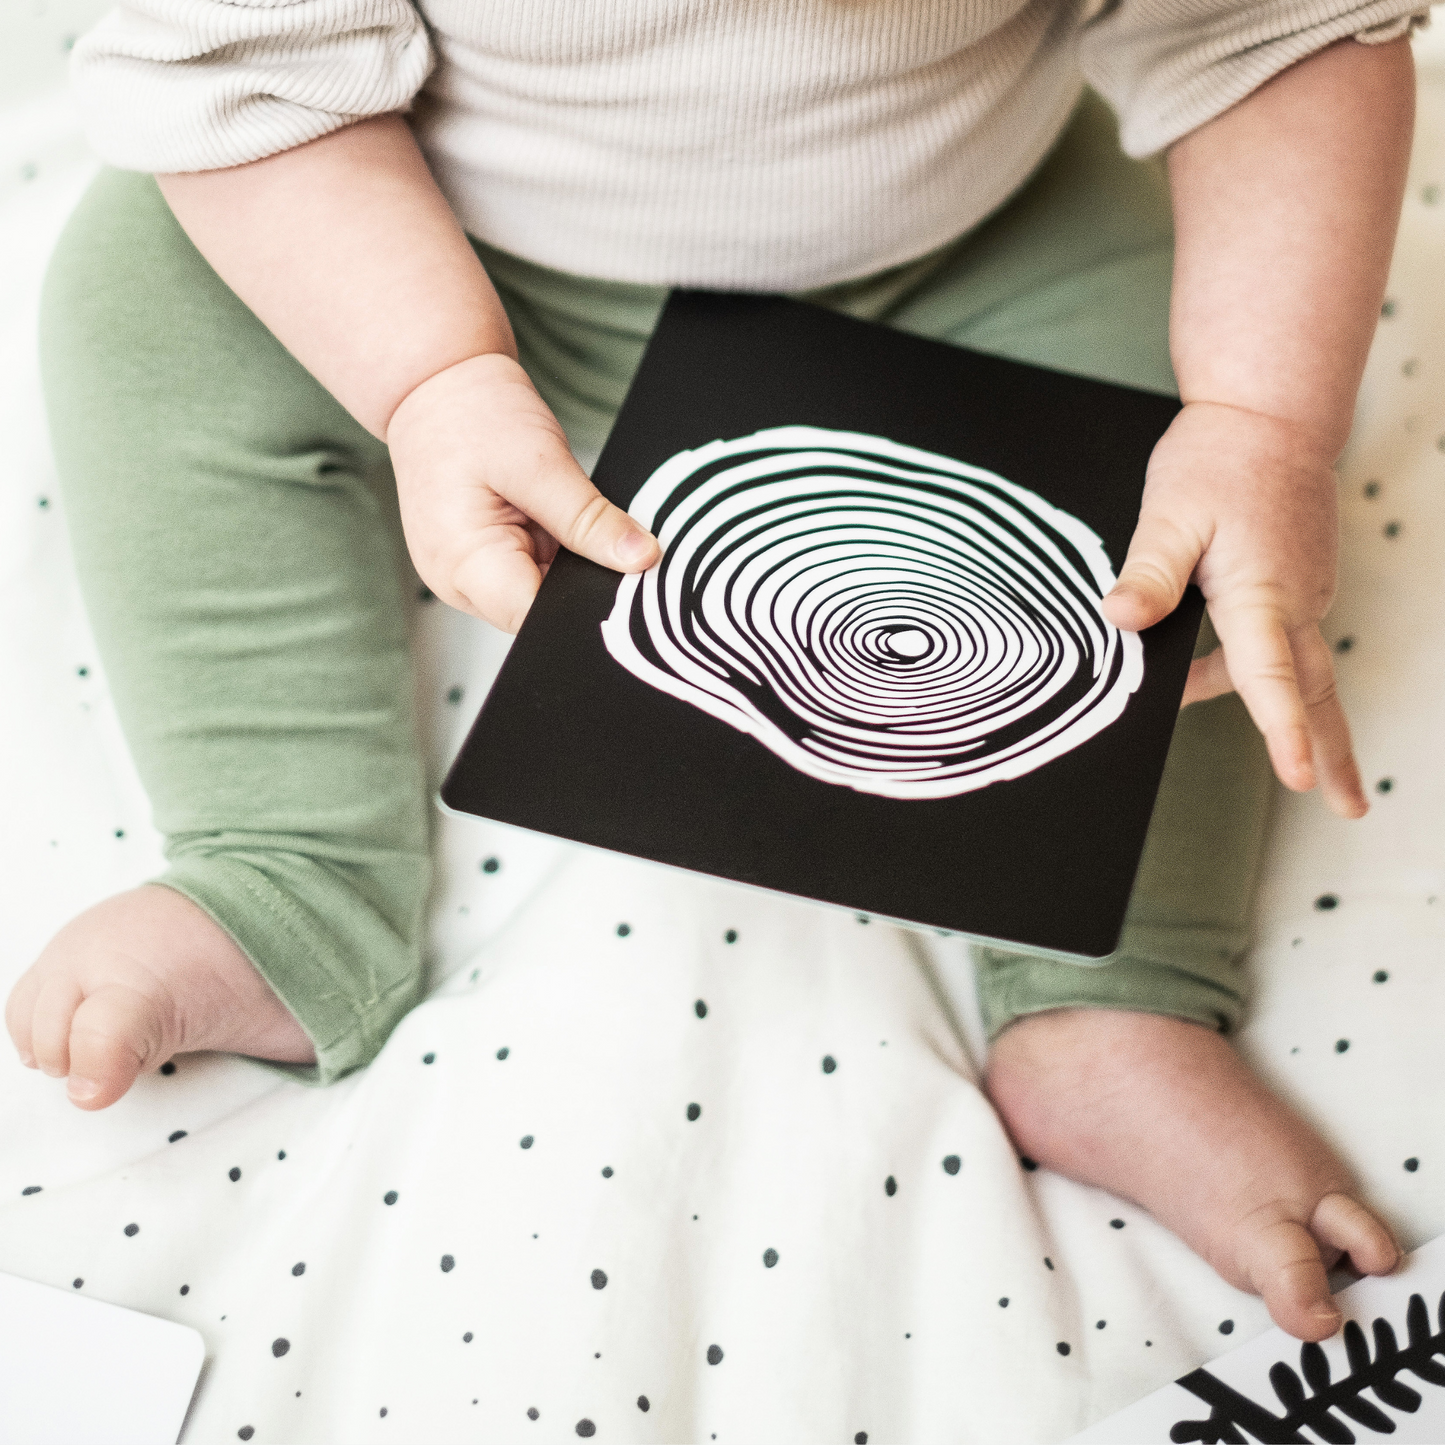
(878, 616)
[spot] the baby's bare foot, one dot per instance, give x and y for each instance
(1166, 1113)
(135, 979)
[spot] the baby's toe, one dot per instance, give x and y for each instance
(19, 1014)
(115, 1033)
(1343, 1223)
(56, 1001)
(1282, 1262)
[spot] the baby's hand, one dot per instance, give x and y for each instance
(488, 488)
(1244, 504)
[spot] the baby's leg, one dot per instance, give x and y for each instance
(1120, 1075)
(235, 537)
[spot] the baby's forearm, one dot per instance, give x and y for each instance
(1285, 212)
(347, 251)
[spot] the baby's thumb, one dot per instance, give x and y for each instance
(1161, 560)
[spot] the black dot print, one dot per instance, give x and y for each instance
(586, 1429)
(829, 1063)
(1062, 1347)
(279, 1347)
(714, 1354)
(280, 1153)
(1372, 490)
(599, 1279)
(1116, 1224)
(644, 1404)
(233, 1174)
(1391, 529)
(607, 1171)
(448, 1264)
(861, 1438)
(531, 1413)
(1381, 975)
(952, 1164)
(1029, 1164)
(1411, 1164)
(1048, 1263)
(1387, 310)
(526, 1141)
(454, 695)
(1226, 1327)
(168, 1068)
(31, 1189)
(131, 1230)
(890, 1186)
(245, 1432)
(174, 1135)
(390, 1197)
(82, 672)
(490, 865)
(623, 929)
(299, 1268)
(1385, 785)
(1342, 1046)
(382, 1412)
(1344, 644)
(770, 1258)
(503, 1052)
(862, 918)
(731, 936)
(1326, 901)
(1099, 1324)
(43, 503)
(428, 1058)
(700, 1009)
(120, 832)
(694, 1113)
(1003, 1302)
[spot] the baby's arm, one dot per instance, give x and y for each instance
(1285, 212)
(348, 252)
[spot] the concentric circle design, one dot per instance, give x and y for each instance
(880, 617)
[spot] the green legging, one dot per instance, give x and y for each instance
(238, 545)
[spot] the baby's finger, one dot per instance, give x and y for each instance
(55, 1006)
(499, 580)
(1162, 558)
(19, 1011)
(1208, 677)
(113, 1035)
(559, 497)
(1333, 752)
(1261, 665)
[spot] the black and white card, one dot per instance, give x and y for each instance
(871, 667)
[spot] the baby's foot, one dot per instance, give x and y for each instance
(135, 979)
(1166, 1113)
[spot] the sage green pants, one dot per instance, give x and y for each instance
(241, 559)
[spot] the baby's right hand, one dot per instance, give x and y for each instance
(488, 489)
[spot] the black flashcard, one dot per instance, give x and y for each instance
(871, 667)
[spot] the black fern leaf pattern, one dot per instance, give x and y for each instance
(1310, 1397)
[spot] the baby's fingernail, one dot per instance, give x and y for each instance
(79, 1088)
(1329, 1315)
(633, 547)
(27, 1059)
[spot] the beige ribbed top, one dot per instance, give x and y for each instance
(751, 144)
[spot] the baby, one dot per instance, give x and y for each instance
(322, 312)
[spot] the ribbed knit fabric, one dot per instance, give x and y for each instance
(753, 144)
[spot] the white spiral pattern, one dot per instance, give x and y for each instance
(878, 616)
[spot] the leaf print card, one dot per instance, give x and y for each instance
(74, 1369)
(871, 667)
(1382, 1375)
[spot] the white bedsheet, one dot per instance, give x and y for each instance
(475, 1297)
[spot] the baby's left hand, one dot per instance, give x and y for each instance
(1244, 505)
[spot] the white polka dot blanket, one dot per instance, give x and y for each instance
(663, 1159)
